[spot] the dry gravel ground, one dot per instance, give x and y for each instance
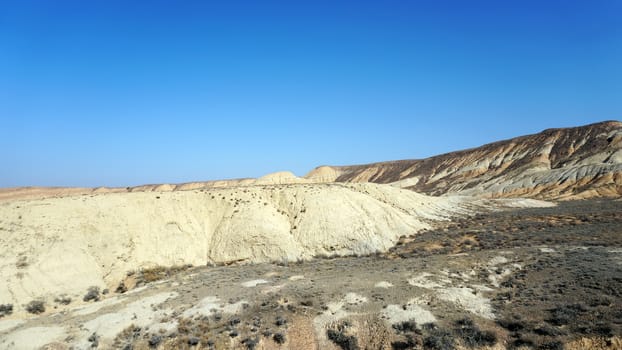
(547, 278)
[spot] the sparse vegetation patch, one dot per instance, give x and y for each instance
(157, 273)
(36, 307)
(338, 335)
(6, 309)
(471, 335)
(92, 294)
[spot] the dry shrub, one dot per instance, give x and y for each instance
(157, 273)
(614, 343)
(36, 307)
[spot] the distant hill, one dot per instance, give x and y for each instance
(568, 163)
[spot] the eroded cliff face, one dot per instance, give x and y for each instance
(570, 163)
(64, 245)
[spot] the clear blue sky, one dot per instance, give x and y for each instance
(118, 93)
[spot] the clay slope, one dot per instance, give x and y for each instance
(64, 245)
(570, 163)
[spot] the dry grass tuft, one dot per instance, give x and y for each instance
(156, 273)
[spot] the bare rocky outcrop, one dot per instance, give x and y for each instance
(570, 163)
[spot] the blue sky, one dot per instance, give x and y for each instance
(119, 93)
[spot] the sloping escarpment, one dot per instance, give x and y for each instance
(581, 162)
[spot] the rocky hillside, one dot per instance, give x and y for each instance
(570, 163)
